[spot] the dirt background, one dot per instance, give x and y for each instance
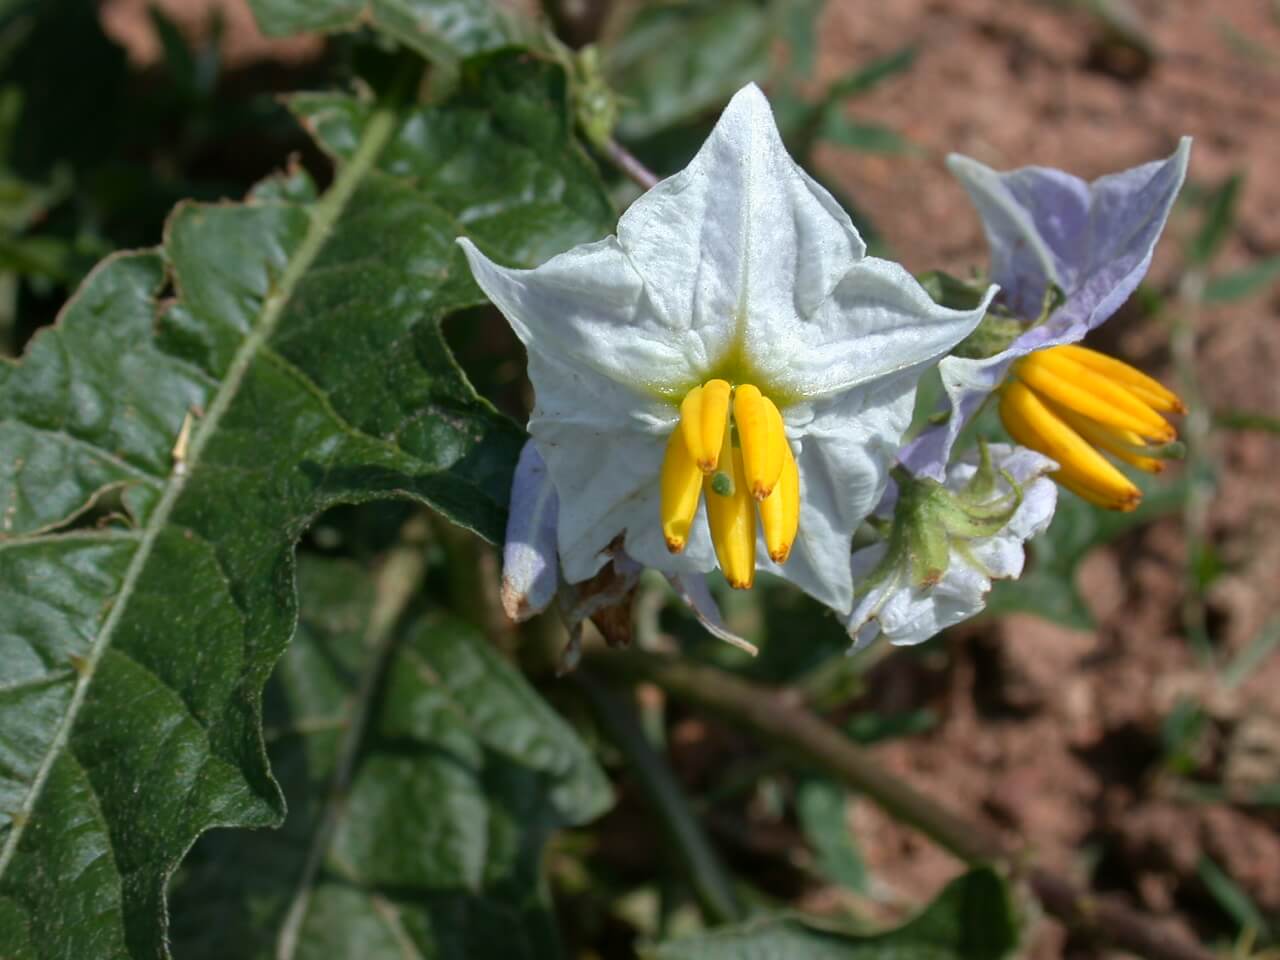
(1051, 733)
(1045, 732)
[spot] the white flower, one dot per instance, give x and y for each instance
(741, 268)
(977, 526)
(530, 568)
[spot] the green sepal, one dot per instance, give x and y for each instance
(930, 521)
(997, 330)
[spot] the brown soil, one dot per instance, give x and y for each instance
(1051, 734)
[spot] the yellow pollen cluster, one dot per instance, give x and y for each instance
(731, 446)
(1068, 402)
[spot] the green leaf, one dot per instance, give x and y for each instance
(865, 79)
(974, 918)
(1233, 900)
(299, 342)
(821, 810)
(1230, 287)
(867, 137)
(1219, 217)
(800, 28)
(1048, 586)
(674, 62)
(422, 780)
(443, 30)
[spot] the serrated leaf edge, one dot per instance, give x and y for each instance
(325, 214)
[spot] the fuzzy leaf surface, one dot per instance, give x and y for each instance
(430, 836)
(298, 337)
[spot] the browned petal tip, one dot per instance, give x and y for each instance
(675, 545)
(742, 584)
(780, 556)
(515, 602)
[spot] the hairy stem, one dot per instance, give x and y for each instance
(807, 740)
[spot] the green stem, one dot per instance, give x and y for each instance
(806, 740)
(710, 880)
(1199, 466)
(1246, 420)
(398, 581)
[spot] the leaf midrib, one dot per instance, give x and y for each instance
(324, 216)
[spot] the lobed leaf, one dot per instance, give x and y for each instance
(426, 837)
(441, 30)
(271, 359)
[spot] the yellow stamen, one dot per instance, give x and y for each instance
(733, 527)
(1083, 470)
(704, 414)
(1076, 387)
(1124, 444)
(780, 511)
(763, 439)
(1152, 392)
(681, 487)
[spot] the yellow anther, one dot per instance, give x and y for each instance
(704, 414)
(733, 527)
(1125, 444)
(780, 511)
(681, 488)
(1082, 469)
(763, 439)
(1152, 392)
(1076, 387)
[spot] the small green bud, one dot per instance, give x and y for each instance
(594, 103)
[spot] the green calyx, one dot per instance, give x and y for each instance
(930, 521)
(998, 328)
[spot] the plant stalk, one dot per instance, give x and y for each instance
(809, 741)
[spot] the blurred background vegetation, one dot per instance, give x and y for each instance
(1116, 707)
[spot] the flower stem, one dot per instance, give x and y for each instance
(710, 881)
(807, 740)
(626, 161)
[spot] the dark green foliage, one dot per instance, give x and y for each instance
(972, 919)
(431, 832)
(299, 341)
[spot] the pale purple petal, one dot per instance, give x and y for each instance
(1094, 240)
(529, 563)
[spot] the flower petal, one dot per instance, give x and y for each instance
(529, 563)
(1094, 240)
(877, 322)
(741, 238)
(590, 308)
(603, 448)
(845, 450)
(693, 590)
